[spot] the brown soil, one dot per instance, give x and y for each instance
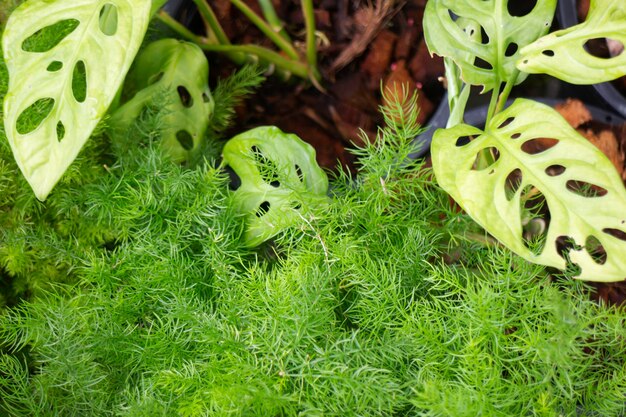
(367, 45)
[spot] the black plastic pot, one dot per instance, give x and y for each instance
(182, 10)
(568, 16)
(173, 7)
(438, 120)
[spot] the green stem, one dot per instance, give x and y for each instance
(239, 54)
(505, 95)
(311, 47)
(156, 5)
(211, 21)
(272, 18)
(287, 66)
(458, 93)
(495, 94)
(180, 29)
(267, 30)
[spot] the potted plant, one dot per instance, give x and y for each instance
(375, 295)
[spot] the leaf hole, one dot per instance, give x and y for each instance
(548, 52)
(482, 64)
(535, 215)
(564, 244)
(538, 145)
(267, 168)
(206, 97)
(296, 205)
(516, 135)
(511, 49)
(54, 66)
(617, 233)
(604, 48)
(185, 96)
(453, 16)
(484, 38)
(108, 19)
(79, 82)
(596, 251)
(234, 180)
(485, 158)
(60, 131)
(520, 8)
(50, 36)
(299, 173)
(506, 122)
(264, 207)
(463, 140)
(185, 139)
(555, 170)
(585, 189)
(512, 183)
(32, 117)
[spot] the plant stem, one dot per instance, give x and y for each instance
(495, 94)
(505, 94)
(177, 27)
(287, 66)
(311, 48)
(272, 18)
(201, 41)
(458, 93)
(267, 30)
(211, 21)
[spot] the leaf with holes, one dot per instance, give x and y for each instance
(489, 59)
(566, 54)
(541, 169)
(280, 181)
(174, 76)
(66, 61)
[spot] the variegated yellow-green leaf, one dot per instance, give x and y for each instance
(483, 38)
(583, 193)
(66, 61)
(175, 73)
(280, 180)
(562, 54)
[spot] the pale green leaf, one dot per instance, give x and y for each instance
(58, 91)
(486, 192)
(280, 180)
(562, 54)
(454, 29)
(175, 75)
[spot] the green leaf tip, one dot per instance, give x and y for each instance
(579, 186)
(78, 73)
(173, 75)
(563, 54)
(281, 181)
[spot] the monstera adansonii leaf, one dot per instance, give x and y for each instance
(486, 59)
(281, 181)
(66, 62)
(583, 193)
(173, 75)
(563, 54)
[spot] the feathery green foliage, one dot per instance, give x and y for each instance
(355, 313)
